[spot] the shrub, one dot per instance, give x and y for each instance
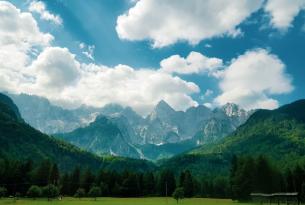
(178, 194)
(3, 191)
(80, 192)
(34, 191)
(95, 191)
(50, 191)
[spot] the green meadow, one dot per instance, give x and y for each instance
(120, 201)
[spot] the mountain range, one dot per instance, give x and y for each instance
(120, 131)
(278, 134)
(20, 141)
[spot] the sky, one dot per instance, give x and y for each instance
(138, 52)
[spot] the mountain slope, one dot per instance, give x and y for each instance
(20, 141)
(101, 137)
(279, 134)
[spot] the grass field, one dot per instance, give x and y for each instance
(121, 201)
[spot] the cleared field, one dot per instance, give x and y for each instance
(121, 201)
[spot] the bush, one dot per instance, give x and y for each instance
(3, 191)
(178, 193)
(50, 191)
(95, 191)
(34, 191)
(80, 193)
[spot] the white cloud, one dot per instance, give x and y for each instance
(282, 12)
(55, 73)
(40, 8)
(194, 63)
(87, 50)
(251, 80)
(208, 92)
(20, 37)
(20, 28)
(55, 68)
(165, 21)
(140, 89)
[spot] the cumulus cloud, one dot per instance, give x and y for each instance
(251, 80)
(140, 89)
(55, 68)
(165, 21)
(55, 73)
(20, 37)
(40, 8)
(282, 12)
(194, 63)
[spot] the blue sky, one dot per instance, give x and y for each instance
(94, 22)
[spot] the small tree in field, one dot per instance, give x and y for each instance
(95, 191)
(3, 191)
(178, 194)
(80, 193)
(34, 192)
(50, 191)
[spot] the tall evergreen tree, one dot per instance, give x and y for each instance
(166, 183)
(65, 184)
(75, 181)
(188, 185)
(43, 173)
(87, 180)
(149, 183)
(54, 175)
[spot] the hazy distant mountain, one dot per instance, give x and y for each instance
(50, 119)
(19, 141)
(152, 137)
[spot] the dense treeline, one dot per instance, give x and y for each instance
(249, 175)
(45, 180)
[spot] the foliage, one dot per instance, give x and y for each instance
(178, 194)
(34, 191)
(80, 192)
(94, 192)
(50, 191)
(3, 191)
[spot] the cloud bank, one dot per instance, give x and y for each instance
(30, 64)
(252, 78)
(166, 22)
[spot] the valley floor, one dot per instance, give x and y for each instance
(120, 201)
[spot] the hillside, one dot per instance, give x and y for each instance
(20, 141)
(278, 134)
(101, 137)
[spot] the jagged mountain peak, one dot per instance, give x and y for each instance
(111, 108)
(199, 108)
(162, 111)
(232, 109)
(162, 105)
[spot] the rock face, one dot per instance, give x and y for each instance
(163, 133)
(50, 119)
(222, 122)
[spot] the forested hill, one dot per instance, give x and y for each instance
(278, 134)
(19, 141)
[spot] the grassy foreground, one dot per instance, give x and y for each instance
(121, 201)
